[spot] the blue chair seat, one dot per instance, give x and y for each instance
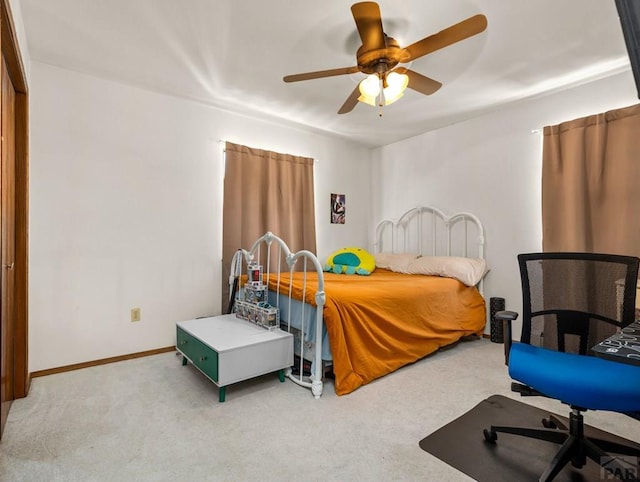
(587, 382)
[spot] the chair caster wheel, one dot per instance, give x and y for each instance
(548, 423)
(490, 435)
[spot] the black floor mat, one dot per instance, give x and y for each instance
(461, 444)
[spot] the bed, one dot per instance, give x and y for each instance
(365, 327)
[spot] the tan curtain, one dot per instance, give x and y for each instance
(265, 191)
(591, 184)
(591, 191)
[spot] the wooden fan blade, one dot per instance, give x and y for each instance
(460, 31)
(320, 74)
(351, 101)
(419, 82)
(369, 23)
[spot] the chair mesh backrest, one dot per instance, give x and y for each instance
(572, 301)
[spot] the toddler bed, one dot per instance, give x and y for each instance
(424, 294)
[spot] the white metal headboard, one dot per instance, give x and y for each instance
(428, 231)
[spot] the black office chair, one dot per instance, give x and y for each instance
(572, 301)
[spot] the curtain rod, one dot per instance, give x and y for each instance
(224, 149)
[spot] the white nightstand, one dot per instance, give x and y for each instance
(228, 350)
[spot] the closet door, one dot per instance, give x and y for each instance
(7, 247)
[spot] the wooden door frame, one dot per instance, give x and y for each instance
(11, 52)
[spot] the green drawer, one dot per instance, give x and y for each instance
(202, 356)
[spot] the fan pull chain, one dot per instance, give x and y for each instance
(381, 101)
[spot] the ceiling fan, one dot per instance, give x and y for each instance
(380, 55)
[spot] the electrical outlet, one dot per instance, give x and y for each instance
(135, 314)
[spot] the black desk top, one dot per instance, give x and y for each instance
(622, 347)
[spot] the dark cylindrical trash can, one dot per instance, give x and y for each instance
(495, 305)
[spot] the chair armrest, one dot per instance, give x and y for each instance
(506, 317)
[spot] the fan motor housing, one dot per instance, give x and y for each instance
(378, 61)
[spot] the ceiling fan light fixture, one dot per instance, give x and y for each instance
(370, 86)
(367, 99)
(396, 85)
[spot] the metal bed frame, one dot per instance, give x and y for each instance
(424, 230)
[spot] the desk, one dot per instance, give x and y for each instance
(622, 347)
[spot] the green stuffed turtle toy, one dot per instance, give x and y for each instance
(351, 261)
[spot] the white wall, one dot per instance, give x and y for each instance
(16, 14)
(125, 211)
(490, 166)
(126, 200)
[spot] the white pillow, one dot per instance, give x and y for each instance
(467, 270)
(394, 261)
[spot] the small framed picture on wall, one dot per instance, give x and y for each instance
(338, 208)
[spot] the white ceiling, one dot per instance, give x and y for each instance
(234, 53)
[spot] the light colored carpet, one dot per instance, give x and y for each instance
(151, 419)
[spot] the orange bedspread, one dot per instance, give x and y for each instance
(379, 323)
